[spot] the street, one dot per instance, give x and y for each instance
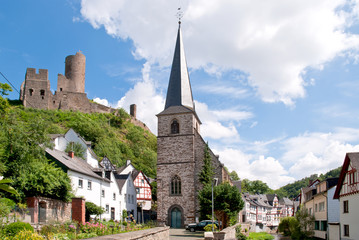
(180, 233)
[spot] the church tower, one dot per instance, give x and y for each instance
(178, 125)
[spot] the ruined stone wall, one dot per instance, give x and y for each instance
(36, 89)
(75, 66)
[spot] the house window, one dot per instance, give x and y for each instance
(137, 190)
(346, 230)
(89, 185)
(176, 185)
(346, 206)
(31, 91)
(321, 207)
(352, 178)
(80, 183)
(174, 127)
(142, 181)
(60, 89)
(323, 226)
(103, 193)
(316, 207)
(107, 208)
(114, 196)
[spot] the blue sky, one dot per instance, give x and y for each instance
(275, 83)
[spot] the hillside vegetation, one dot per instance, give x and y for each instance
(290, 190)
(25, 131)
(111, 135)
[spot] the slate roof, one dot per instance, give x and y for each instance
(121, 180)
(286, 201)
(238, 184)
(179, 92)
(75, 164)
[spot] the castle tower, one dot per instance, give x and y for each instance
(74, 79)
(178, 128)
(35, 90)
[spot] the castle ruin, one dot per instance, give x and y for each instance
(70, 94)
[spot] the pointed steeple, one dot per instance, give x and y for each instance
(179, 92)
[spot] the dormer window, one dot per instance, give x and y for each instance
(174, 127)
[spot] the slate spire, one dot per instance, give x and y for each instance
(179, 92)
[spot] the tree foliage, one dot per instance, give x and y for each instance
(300, 227)
(227, 202)
(92, 209)
(206, 174)
(255, 187)
(234, 176)
(77, 148)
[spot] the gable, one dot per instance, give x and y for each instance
(348, 178)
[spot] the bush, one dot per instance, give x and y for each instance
(241, 236)
(13, 228)
(26, 234)
(208, 228)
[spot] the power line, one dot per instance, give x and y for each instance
(15, 89)
(9, 82)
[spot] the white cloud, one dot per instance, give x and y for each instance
(102, 101)
(247, 166)
(318, 153)
(273, 41)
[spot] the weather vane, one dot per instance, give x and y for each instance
(179, 15)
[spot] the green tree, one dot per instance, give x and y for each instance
(206, 174)
(227, 202)
(234, 176)
(4, 89)
(92, 209)
(255, 187)
(77, 148)
(4, 103)
(4, 186)
(305, 229)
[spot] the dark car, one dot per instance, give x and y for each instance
(199, 226)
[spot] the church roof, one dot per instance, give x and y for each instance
(179, 92)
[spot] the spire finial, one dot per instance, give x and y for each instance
(179, 15)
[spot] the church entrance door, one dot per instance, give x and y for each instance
(176, 216)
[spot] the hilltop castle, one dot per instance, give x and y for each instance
(70, 93)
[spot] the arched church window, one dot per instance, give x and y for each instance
(176, 185)
(174, 127)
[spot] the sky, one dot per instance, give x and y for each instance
(275, 82)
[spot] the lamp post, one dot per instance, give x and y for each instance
(214, 181)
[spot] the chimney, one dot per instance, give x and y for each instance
(128, 162)
(133, 109)
(71, 154)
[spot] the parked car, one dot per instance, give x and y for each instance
(199, 226)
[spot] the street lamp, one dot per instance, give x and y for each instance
(214, 182)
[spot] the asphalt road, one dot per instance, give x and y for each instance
(180, 234)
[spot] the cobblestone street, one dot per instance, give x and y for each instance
(180, 234)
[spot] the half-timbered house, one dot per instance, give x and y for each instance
(347, 192)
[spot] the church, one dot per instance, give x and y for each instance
(180, 149)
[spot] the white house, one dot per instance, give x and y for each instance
(95, 182)
(347, 192)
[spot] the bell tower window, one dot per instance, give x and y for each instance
(174, 127)
(176, 185)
